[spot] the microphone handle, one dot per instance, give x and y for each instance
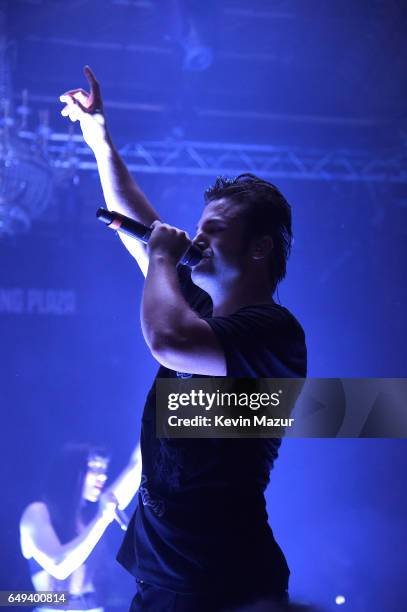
(133, 228)
(122, 519)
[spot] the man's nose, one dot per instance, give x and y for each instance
(201, 240)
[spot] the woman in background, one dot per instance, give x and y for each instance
(59, 534)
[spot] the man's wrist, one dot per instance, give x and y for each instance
(105, 148)
(163, 259)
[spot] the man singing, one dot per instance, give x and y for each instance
(200, 540)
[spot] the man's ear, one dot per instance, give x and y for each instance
(262, 247)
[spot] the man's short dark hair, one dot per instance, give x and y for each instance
(267, 212)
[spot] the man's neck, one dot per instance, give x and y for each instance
(249, 293)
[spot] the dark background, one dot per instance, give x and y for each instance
(317, 81)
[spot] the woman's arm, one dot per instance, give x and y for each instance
(40, 541)
(127, 483)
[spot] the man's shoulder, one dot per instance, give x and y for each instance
(266, 324)
(270, 313)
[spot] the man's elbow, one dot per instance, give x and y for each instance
(164, 347)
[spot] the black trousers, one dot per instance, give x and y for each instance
(151, 598)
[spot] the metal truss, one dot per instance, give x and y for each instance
(195, 158)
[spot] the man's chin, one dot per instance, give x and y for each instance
(200, 275)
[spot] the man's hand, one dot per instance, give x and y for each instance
(87, 108)
(173, 331)
(168, 242)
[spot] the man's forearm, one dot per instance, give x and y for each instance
(164, 310)
(123, 195)
(119, 188)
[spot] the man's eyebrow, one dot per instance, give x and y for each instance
(211, 220)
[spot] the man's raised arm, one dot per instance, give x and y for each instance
(121, 192)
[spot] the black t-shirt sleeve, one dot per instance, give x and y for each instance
(263, 341)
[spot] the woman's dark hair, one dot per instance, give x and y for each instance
(64, 487)
(266, 211)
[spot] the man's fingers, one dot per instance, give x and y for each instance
(73, 92)
(90, 77)
(74, 109)
(78, 104)
(70, 112)
(165, 226)
(79, 95)
(82, 98)
(68, 99)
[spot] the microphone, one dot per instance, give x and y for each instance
(141, 232)
(121, 517)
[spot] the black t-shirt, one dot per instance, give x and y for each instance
(201, 521)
